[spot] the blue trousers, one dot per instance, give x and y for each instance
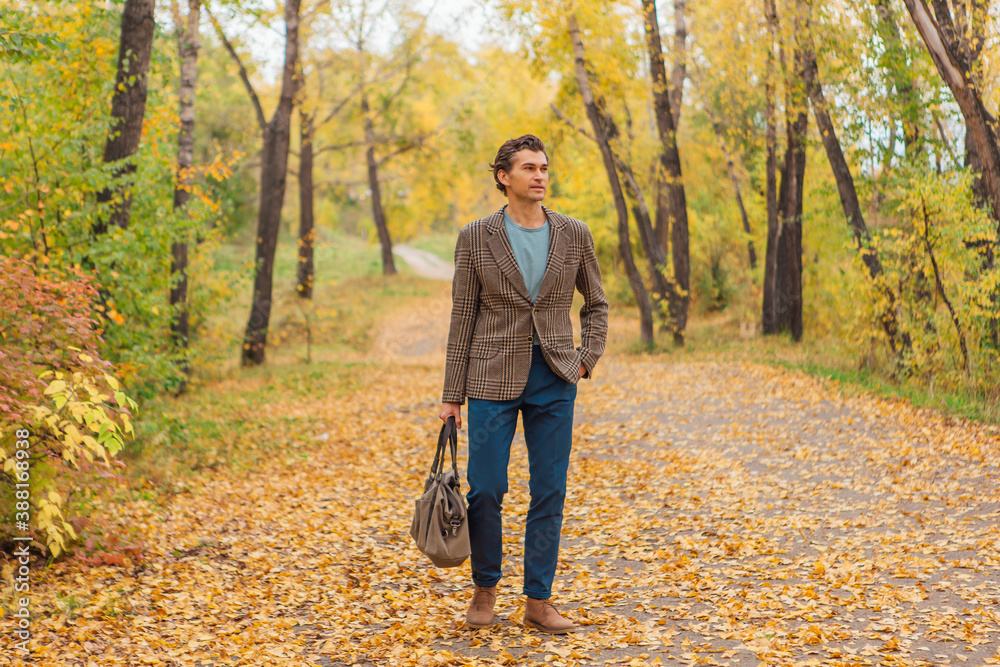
(546, 406)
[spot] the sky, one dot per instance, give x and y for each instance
(465, 21)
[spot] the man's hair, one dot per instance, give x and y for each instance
(506, 154)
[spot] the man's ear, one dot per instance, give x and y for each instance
(503, 177)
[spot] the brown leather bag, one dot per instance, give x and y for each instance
(440, 523)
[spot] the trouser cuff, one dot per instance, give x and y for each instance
(482, 584)
(538, 595)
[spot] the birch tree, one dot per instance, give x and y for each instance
(188, 44)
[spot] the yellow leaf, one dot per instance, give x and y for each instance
(55, 387)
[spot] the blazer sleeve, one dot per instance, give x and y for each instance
(594, 313)
(465, 289)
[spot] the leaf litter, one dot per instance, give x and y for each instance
(717, 514)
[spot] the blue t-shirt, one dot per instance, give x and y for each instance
(531, 250)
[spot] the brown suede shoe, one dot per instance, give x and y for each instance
(542, 615)
(480, 612)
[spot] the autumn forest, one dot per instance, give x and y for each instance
(226, 236)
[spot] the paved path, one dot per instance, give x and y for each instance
(717, 514)
(424, 263)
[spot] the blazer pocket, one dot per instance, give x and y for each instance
(482, 351)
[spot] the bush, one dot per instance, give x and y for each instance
(55, 386)
(938, 263)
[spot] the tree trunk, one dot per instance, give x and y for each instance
(788, 284)
(956, 72)
(903, 77)
(307, 233)
(838, 163)
(378, 215)
(621, 208)
(972, 21)
(845, 188)
(679, 71)
(273, 172)
(128, 107)
(672, 212)
(975, 165)
(654, 253)
(769, 315)
(974, 37)
(188, 48)
(954, 59)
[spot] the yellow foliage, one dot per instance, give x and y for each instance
(79, 423)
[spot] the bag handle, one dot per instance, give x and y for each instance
(448, 436)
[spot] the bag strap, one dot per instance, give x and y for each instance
(453, 440)
(449, 438)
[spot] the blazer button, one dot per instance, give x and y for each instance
(531, 338)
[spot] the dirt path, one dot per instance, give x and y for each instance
(718, 514)
(424, 263)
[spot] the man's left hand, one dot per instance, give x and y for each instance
(583, 369)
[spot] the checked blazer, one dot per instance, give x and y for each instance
(490, 338)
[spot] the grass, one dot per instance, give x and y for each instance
(229, 417)
(961, 402)
(245, 419)
(718, 337)
(441, 244)
(234, 422)
(349, 294)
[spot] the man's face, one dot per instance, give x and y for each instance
(528, 177)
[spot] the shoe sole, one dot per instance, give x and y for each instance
(478, 626)
(551, 631)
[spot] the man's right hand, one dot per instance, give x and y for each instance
(452, 410)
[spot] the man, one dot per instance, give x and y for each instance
(510, 349)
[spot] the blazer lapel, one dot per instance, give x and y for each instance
(558, 245)
(503, 253)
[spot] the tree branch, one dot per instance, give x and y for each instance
(357, 89)
(699, 82)
(261, 120)
(940, 288)
(338, 147)
(561, 116)
(944, 137)
(175, 14)
(420, 141)
(679, 71)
